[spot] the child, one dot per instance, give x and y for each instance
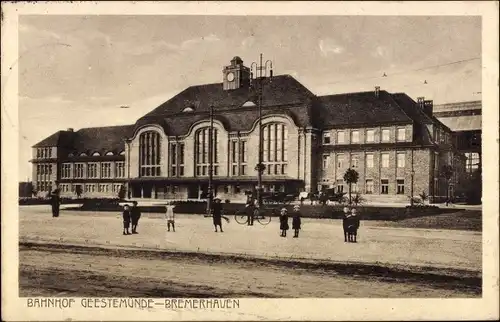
(296, 221)
(170, 216)
(353, 226)
(283, 222)
(345, 223)
(126, 219)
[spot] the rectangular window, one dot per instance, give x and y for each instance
(120, 170)
(243, 170)
(355, 136)
(326, 161)
(401, 160)
(370, 136)
(384, 186)
(369, 160)
(326, 138)
(400, 187)
(92, 171)
(106, 170)
(340, 161)
(354, 187)
(401, 136)
(78, 170)
(340, 186)
(66, 170)
(235, 170)
(369, 186)
(385, 160)
(385, 135)
(354, 161)
(340, 137)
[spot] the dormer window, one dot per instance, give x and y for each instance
(70, 155)
(122, 153)
(188, 109)
(249, 104)
(109, 153)
(83, 154)
(96, 154)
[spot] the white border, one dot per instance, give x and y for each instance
(287, 309)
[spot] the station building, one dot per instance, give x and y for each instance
(394, 142)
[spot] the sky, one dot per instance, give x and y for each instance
(76, 71)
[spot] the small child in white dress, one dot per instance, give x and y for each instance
(170, 217)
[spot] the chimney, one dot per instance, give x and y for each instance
(377, 91)
(428, 107)
(420, 102)
(70, 129)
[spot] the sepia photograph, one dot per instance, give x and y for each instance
(210, 159)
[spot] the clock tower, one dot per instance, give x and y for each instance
(235, 75)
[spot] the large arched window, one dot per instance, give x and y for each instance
(149, 154)
(275, 153)
(202, 152)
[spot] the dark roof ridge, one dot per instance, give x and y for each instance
(351, 93)
(100, 127)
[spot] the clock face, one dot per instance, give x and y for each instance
(230, 77)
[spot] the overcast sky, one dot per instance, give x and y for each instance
(75, 71)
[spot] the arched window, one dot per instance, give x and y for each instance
(202, 149)
(149, 154)
(96, 154)
(109, 153)
(274, 146)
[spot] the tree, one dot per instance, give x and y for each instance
(447, 174)
(351, 176)
(424, 197)
(78, 190)
(122, 192)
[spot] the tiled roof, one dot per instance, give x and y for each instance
(101, 139)
(60, 138)
(280, 90)
(358, 109)
(90, 140)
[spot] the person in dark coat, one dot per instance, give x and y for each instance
(284, 222)
(217, 214)
(296, 221)
(126, 219)
(250, 209)
(135, 214)
(352, 226)
(345, 223)
(55, 202)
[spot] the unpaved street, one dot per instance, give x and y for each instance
(84, 271)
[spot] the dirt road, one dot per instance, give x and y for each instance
(91, 271)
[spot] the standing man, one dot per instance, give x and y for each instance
(126, 219)
(345, 223)
(217, 214)
(250, 208)
(135, 216)
(55, 202)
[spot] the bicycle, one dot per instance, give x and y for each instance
(242, 218)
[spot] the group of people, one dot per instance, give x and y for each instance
(131, 216)
(296, 221)
(350, 223)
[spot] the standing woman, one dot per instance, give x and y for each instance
(284, 222)
(55, 202)
(170, 216)
(126, 219)
(217, 214)
(296, 221)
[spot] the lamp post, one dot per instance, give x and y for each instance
(259, 77)
(412, 173)
(210, 162)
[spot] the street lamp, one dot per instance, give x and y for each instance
(259, 77)
(210, 162)
(412, 173)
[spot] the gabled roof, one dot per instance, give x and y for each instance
(90, 140)
(101, 139)
(60, 139)
(359, 109)
(280, 90)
